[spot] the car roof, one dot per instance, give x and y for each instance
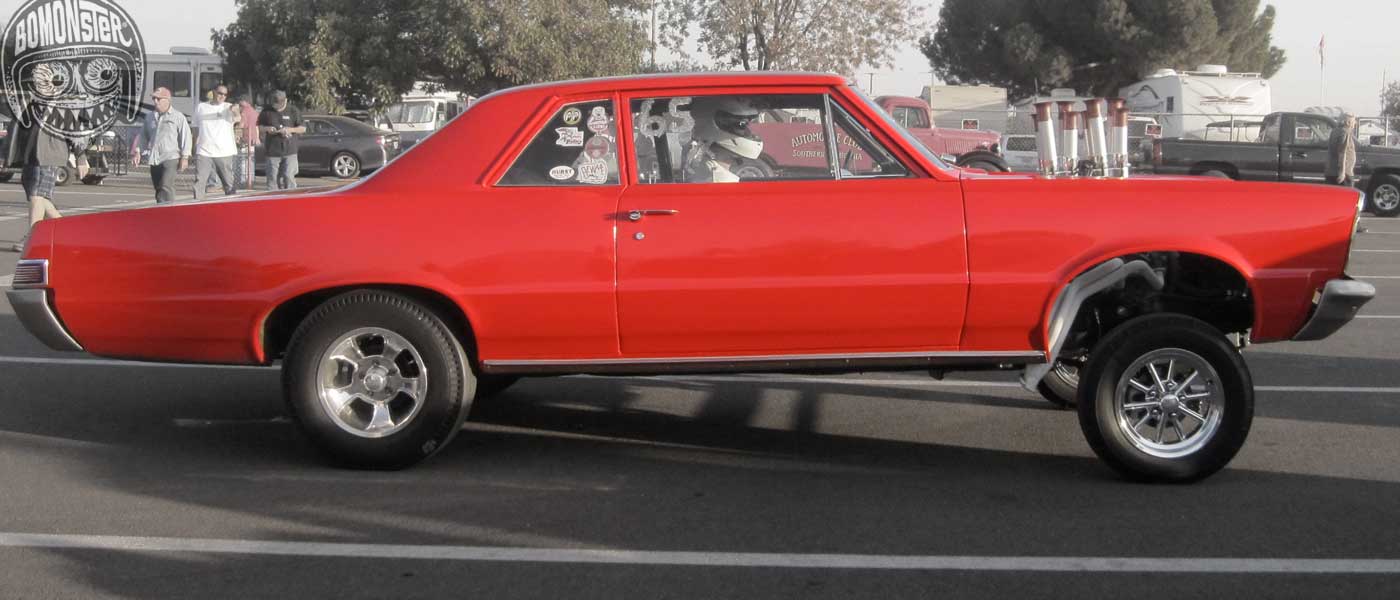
(665, 80)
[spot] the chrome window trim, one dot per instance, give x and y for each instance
(889, 360)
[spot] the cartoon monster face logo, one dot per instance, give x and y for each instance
(72, 66)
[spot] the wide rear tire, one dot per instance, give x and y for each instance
(376, 380)
(1165, 398)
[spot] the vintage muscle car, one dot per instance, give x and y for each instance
(597, 227)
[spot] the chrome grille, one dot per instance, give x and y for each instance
(31, 273)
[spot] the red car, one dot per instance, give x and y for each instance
(599, 227)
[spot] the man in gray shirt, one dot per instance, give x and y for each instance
(1341, 153)
(165, 141)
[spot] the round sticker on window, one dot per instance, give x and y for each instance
(562, 173)
(572, 116)
(597, 147)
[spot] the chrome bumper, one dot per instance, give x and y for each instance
(32, 308)
(1335, 306)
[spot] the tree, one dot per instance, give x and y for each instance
(809, 35)
(1390, 100)
(1095, 46)
(330, 53)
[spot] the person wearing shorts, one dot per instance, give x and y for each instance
(40, 154)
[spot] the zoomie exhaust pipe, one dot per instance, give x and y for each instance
(1045, 139)
(1098, 137)
(1069, 138)
(1118, 138)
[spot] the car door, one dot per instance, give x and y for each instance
(862, 256)
(314, 149)
(1306, 155)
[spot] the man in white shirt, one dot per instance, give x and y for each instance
(216, 146)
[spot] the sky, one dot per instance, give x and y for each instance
(1361, 44)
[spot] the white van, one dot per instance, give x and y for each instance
(417, 116)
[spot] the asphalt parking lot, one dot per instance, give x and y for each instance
(138, 480)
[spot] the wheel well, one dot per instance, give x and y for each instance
(1379, 175)
(282, 322)
(1196, 285)
(1225, 168)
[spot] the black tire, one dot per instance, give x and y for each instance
(444, 404)
(1233, 391)
(62, 175)
(1061, 385)
(1215, 173)
(1383, 199)
(345, 166)
(753, 170)
(6, 177)
(983, 165)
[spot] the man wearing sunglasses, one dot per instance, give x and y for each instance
(216, 146)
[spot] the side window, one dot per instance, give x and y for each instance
(918, 119)
(209, 81)
(178, 82)
(859, 153)
(727, 139)
(1269, 134)
(578, 146)
(1312, 131)
(901, 116)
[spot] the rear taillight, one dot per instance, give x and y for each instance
(379, 139)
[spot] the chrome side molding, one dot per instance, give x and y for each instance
(770, 363)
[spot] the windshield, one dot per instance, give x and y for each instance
(411, 112)
(893, 127)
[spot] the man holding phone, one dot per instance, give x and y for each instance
(281, 126)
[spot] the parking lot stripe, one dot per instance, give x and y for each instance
(1090, 564)
(1377, 316)
(6, 280)
(59, 194)
(1376, 276)
(1380, 251)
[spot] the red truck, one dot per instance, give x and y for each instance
(968, 147)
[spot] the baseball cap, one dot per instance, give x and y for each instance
(279, 96)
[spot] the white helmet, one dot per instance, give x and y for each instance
(724, 121)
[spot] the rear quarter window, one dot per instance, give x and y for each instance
(576, 147)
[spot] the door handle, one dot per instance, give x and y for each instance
(638, 213)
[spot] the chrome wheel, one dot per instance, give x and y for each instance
(1168, 403)
(371, 382)
(345, 166)
(1386, 197)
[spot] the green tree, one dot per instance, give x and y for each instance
(1390, 99)
(330, 53)
(1095, 46)
(810, 35)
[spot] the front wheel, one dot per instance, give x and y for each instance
(1384, 197)
(62, 175)
(345, 166)
(1166, 398)
(376, 380)
(1061, 385)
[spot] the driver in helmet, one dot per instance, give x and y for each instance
(721, 140)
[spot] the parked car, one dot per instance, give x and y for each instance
(551, 230)
(964, 147)
(377, 119)
(340, 146)
(1291, 147)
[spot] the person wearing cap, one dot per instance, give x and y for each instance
(281, 126)
(165, 143)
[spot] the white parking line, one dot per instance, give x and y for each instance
(59, 194)
(1377, 316)
(1090, 564)
(1380, 251)
(1376, 276)
(7, 280)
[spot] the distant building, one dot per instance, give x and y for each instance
(967, 106)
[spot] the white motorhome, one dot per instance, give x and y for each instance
(1186, 103)
(419, 114)
(188, 72)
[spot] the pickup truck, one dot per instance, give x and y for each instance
(966, 147)
(1291, 147)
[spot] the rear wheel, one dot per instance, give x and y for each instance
(1384, 197)
(1166, 397)
(62, 175)
(376, 380)
(345, 166)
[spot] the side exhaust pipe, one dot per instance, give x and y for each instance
(1045, 139)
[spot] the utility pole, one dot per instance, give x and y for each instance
(871, 89)
(653, 35)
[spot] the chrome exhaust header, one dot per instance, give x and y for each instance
(1069, 138)
(1118, 150)
(1045, 139)
(1097, 136)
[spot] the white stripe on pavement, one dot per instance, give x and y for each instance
(1091, 564)
(1375, 276)
(61, 193)
(955, 383)
(7, 280)
(1377, 317)
(1380, 251)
